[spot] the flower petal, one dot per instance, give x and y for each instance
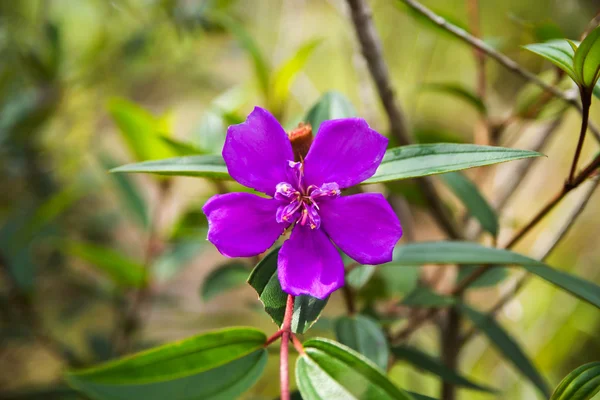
(309, 264)
(345, 151)
(242, 224)
(257, 152)
(364, 226)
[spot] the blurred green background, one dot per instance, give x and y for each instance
(82, 82)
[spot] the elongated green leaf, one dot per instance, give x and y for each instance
(329, 370)
(127, 192)
(491, 277)
(558, 52)
(586, 62)
(509, 348)
(225, 277)
(425, 297)
(261, 66)
(428, 159)
(284, 76)
(121, 269)
(181, 148)
(331, 105)
(426, 362)
(140, 130)
(263, 279)
(473, 200)
(199, 166)
(360, 275)
(581, 384)
(215, 365)
(417, 396)
(458, 91)
(473, 253)
(364, 335)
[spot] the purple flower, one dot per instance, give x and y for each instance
(306, 197)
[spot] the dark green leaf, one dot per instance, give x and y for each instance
(558, 52)
(586, 62)
(491, 277)
(215, 365)
(476, 204)
(428, 159)
(50, 393)
(365, 336)
(581, 384)
(329, 370)
(121, 269)
(225, 277)
(360, 275)
(264, 280)
(331, 105)
(425, 297)
(509, 348)
(128, 192)
(458, 91)
(199, 166)
(426, 362)
(473, 253)
(417, 396)
(176, 258)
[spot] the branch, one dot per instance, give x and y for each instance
(499, 57)
(285, 343)
(371, 48)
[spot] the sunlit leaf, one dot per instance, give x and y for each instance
(426, 362)
(121, 269)
(181, 148)
(331, 105)
(558, 52)
(329, 370)
(264, 280)
(581, 384)
(210, 166)
(586, 62)
(225, 277)
(476, 204)
(428, 159)
(458, 91)
(364, 335)
(509, 348)
(215, 365)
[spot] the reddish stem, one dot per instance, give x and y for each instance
(274, 337)
(285, 341)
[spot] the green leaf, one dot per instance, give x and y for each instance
(198, 166)
(329, 370)
(140, 130)
(261, 66)
(425, 297)
(476, 204)
(597, 89)
(225, 277)
(428, 159)
(364, 335)
(509, 348)
(128, 192)
(473, 253)
(426, 362)
(263, 279)
(331, 105)
(491, 277)
(458, 91)
(417, 396)
(284, 76)
(211, 132)
(177, 257)
(121, 269)
(581, 384)
(558, 52)
(360, 275)
(181, 148)
(586, 62)
(215, 365)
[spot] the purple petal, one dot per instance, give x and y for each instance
(257, 152)
(364, 226)
(345, 151)
(309, 264)
(242, 224)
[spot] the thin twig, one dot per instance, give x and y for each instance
(370, 44)
(558, 237)
(586, 101)
(286, 327)
(499, 57)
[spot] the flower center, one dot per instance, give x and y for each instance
(300, 204)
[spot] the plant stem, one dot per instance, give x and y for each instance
(499, 57)
(586, 102)
(450, 341)
(285, 342)
(349, 299)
